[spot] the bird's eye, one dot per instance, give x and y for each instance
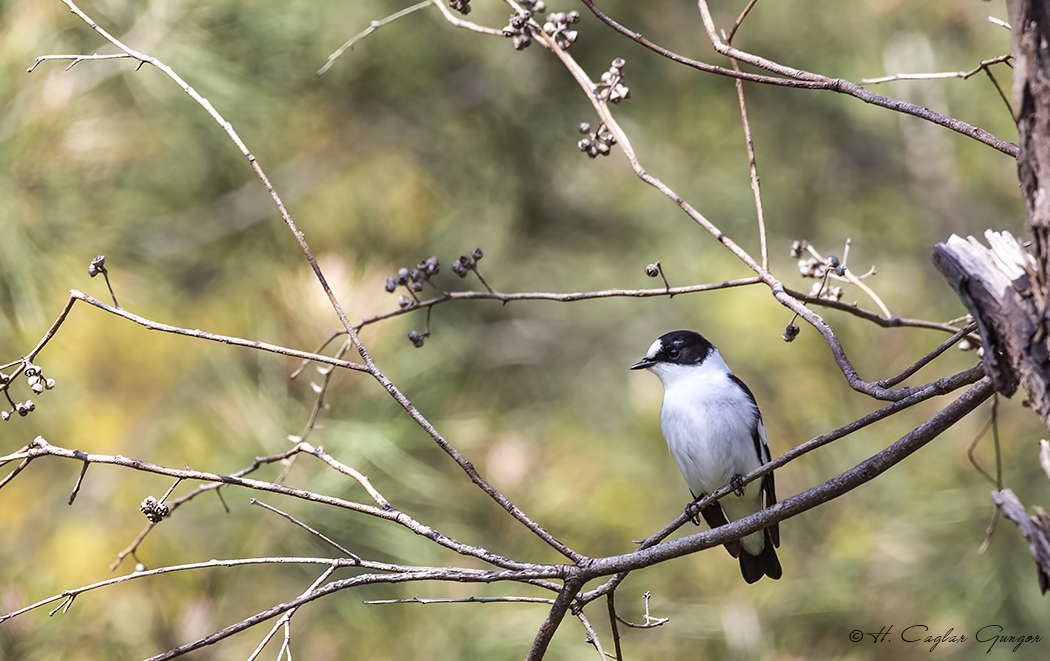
(673, 353)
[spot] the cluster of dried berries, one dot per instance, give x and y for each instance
(467, 263)
(811, 267)
(413, 279)
(416, 338)
(557, 27)
(612, 87)
(520, 30)
(521, 26)
(22, 408)
(35, 380)
(462, 6)
(598, 143)
(153, 509)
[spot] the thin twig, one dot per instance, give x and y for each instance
(80, 480)
(592, 635)
(849, 276)
(466, 25)
(307, 528)
(1002, 94)
(18, 469)
(372, 27)
(929, 357)
(610, 602)
(134, 545)
(756, 188)
(460, 600)
(1000, 23)
(997, 481)
(77, 59)
(650, 621)
(321, 348)
(736, 26)
(398, 574)
(561, 298)
(212, 337)
(286, 619)
(170, 489)
(884, 322)
(983, 66)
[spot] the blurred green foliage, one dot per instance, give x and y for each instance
(423, 140)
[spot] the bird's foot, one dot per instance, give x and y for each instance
(689, 512)
(738, 484)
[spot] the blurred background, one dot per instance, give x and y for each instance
(429, 140)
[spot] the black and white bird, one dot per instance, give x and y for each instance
(716, 435)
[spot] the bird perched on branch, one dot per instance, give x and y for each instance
(716, 435)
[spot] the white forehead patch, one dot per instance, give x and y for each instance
(654, 349)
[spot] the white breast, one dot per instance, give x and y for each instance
(709, 423)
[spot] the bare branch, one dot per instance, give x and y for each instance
(805, 80)
(983, 66)
(561, 298)
(40, 447)
(554, 617)
(846, 87)
(460, 600)
(202, 335)
(432, 574)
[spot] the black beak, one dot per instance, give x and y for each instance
(643, 363)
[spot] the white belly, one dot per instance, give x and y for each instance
(710, 446)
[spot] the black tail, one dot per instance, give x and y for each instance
(766, 563)
(715, 517)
